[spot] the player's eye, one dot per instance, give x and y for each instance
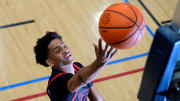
(64, 46)
(57, 51)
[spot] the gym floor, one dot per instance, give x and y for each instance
(22, 22)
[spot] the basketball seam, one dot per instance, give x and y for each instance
(134, 23)
(140, 31)
(129, 35)
(134, 14)
(138, 36)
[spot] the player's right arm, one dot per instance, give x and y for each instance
(88, 73)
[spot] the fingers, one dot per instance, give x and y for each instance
(109, 52)
(106, 47)
(96, 47)
(104, 54)
(113, 53)
(105, 50)
(100, 44)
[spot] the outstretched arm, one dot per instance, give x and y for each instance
(88, 73)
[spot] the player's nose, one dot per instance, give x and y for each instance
(65, 50)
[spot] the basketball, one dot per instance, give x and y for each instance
(122, 25)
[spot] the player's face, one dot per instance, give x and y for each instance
(59, 53)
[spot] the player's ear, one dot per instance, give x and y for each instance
(49, 62)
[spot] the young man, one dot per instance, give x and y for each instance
(69, 81)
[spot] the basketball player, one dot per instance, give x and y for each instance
(69, 80)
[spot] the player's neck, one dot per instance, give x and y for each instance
(66, 68)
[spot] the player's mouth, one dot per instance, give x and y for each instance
(68, 56)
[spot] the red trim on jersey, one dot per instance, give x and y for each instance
(76, 66)
(75, 96)
(75, 69)
(62, 74)
(55, 78)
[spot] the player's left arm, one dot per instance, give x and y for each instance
(94, 95)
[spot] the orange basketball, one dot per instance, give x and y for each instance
(122, 25)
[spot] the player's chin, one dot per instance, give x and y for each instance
(70, 59)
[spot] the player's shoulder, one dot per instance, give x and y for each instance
(78, 64)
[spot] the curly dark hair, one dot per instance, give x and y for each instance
(41, 49)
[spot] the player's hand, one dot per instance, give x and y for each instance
(103, 56)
